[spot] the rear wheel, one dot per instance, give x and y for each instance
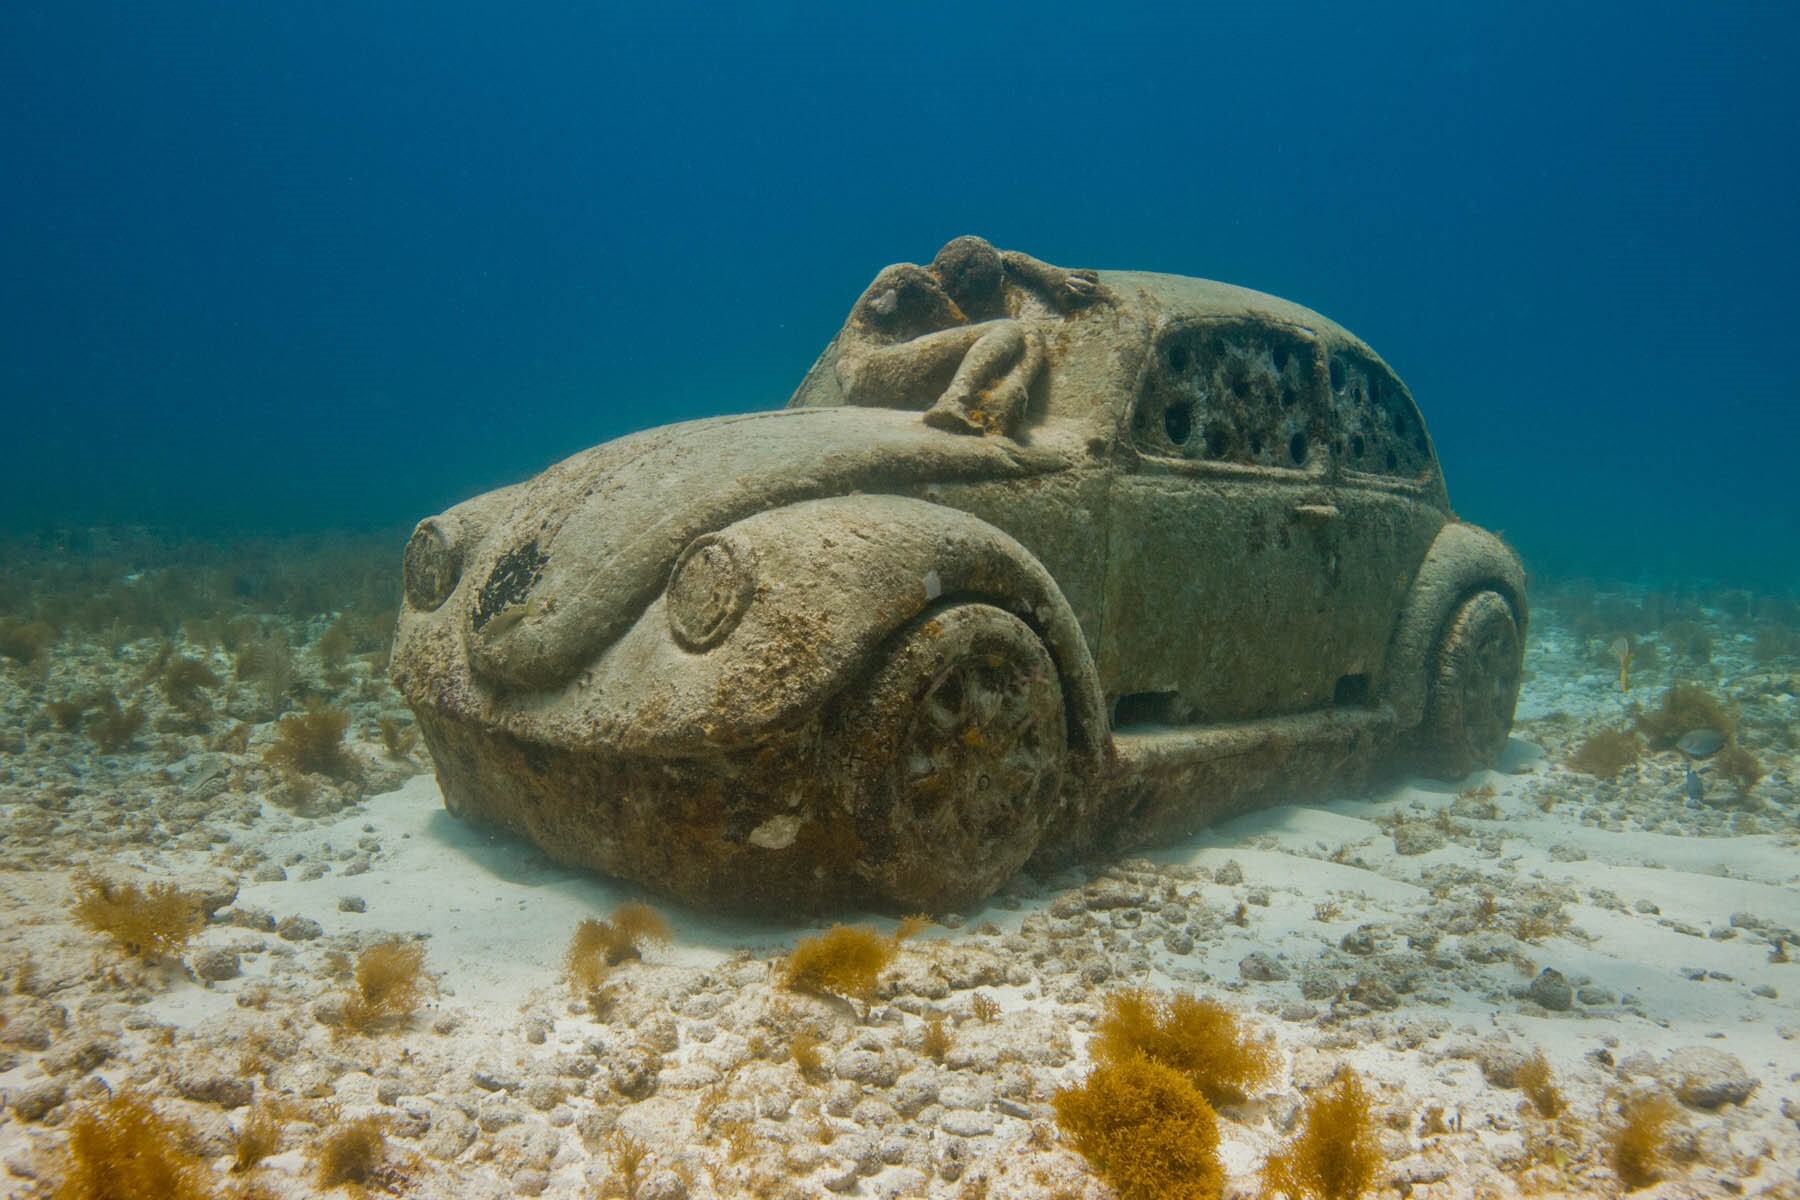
(1474, 687)
(956, 747)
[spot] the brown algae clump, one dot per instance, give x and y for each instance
(845, 960)
(122, 1148)
(1684, 709)
(114, 725)
(1201, 1038)
(1536, 1080)
(257, 1138)
(313, 743)
(157, 921)
(1740, 767)
(1606, 753)
(389, 985)
(1635, 1145)
(598, 946)
(1145, 1128)
(1335, 1154)
(350, 1153)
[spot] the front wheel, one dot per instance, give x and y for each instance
(1474, 687)
(955, 749)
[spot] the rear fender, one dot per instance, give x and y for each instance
(1463, 559)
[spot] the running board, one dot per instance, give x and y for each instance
(1174, 780)
(1154, 748)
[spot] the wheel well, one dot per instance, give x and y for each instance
(1500, 588)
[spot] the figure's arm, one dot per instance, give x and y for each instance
(1062, 288)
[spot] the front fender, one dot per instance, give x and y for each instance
(1463, 559)
(833, 579)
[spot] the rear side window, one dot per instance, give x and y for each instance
(1235, 392)
(1381, 429)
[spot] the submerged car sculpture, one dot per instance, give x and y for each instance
(1036, 564)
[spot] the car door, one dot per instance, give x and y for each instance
(1225, 545)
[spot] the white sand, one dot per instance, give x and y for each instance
(1648, 934)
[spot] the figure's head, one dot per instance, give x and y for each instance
(906, 300)
(971, 271)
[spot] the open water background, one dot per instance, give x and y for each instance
(336, 266)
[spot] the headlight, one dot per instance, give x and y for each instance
(433, 564)
(709, 589)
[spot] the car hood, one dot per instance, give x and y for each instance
(582, 549)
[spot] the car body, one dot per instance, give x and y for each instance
(834, 653)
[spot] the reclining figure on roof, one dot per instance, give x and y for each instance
(960, 338)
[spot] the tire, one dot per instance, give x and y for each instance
(956, 747)
(1474, 687)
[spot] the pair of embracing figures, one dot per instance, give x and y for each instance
(958, 338)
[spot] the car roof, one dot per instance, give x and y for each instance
(1098, 359)
(1096, 366)
(1171, 299)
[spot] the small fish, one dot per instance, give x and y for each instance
(1701, 743)
(1695, 789)
(512, 614)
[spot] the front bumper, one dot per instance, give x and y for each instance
(758, 829)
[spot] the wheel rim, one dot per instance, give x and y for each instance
(961, 739)
(1478, 684)
(1491, 686)
(975, 751)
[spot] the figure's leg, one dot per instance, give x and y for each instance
(992, 385)
(911, 374)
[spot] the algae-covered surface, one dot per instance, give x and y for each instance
(1630, 934)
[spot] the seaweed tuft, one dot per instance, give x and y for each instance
(845, 960)
(1685, 708)
(1606, 753)
(27, 642)
(122, 1147)
(1145, 1128)
(350, 1154)
(114, 725)
(628, 1156)
(151, 922)
(807, 1051)
(257, 1138)
(598, 945)
(397, 737)
(1201, 1038)
(1636, 1142)
(390, 982)
(183, 679)
(935, 1041)
(1335, 1154)
(1535, 1079)
(1739, 766)
(313, 742)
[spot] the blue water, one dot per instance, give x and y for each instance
(339, 265)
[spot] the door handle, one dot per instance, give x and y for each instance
(1317, 513)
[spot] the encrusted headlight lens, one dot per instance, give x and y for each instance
(709, 588)
(433, 564)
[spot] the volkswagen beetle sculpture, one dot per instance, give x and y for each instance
(1036, 564)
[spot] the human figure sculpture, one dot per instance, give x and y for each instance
(958, 339)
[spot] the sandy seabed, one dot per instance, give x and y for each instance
(1432, 936)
